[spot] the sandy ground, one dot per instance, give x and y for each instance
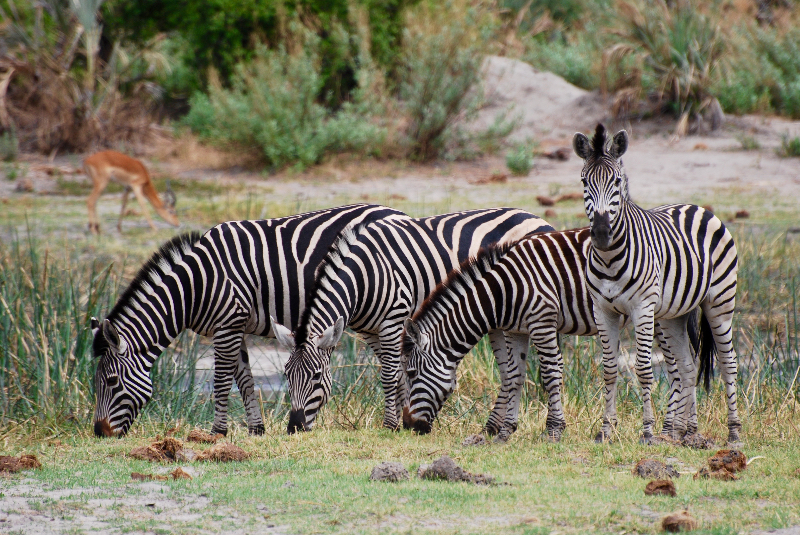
(711, 169)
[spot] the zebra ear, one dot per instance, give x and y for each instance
(581, 145)
(111, 335)
(330, 337)
(412, 331)
(619, 144)
(285, 336)
(95, 326)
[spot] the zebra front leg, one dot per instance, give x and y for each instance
(226, 357)
(644, 325)
(391, 377)
(517, 349)
(551, 363)
(494, 424)
(244, 380)
(608, 325)
(674, 384)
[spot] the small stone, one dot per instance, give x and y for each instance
(389, 471)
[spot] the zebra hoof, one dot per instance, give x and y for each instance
(256, 429)
(219, 430)
(490, 430)
(603, 437)
(647, 440)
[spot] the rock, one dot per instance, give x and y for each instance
(389, 471)
(661, 487)
(653, 469)
(677, 522)
(476, 440)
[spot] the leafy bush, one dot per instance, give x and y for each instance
(577, 61)
(443, 50)
(272, 106)
(519, 160)
(748, 142)
(790, 146)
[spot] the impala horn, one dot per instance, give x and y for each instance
(169, 196)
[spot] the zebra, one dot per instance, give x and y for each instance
(537, 288)
(373, 278)
(655, 265)
(224, 284)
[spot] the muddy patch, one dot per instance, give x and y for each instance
(654, 469)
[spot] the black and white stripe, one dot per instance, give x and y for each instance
(535, 289)
(656, 265)
(224, 284)
(373, 278)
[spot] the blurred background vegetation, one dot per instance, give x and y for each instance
(294, 81)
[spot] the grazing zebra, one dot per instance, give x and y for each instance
(655, 265)
(373, 278)
(224, 284)
(537, 288)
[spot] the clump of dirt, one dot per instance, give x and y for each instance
(474, 440)
(494, 178)
(389, 471)
(561, 154)
(178, 473)
(223, 453)
(661, 487)
(723, 465)
(196, 435)
(663, 439)
(446, 468)
(12, 465)
(698, 442)
(166, 450)
(681, 521)
(653, 469)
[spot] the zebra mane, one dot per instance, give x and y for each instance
(162, 261)
(470, 270)
(599, 141)
(333, 260)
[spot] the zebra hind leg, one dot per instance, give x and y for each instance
(244, 380)
(720, 327)
(551, 363)
(517, 365)
(495, 422)
(678, 354)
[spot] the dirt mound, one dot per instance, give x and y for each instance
(698, 442)
(223, 453)
(474, 440)
(196, 435)
(661, 487)
(446, 468)
(676, 522)
(11, 465)
(178, 473)
(653, 469)
(167, 450)
(723, 465)
(389, 471)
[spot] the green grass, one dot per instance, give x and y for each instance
(790, 147)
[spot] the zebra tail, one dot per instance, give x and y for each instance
(707, 348)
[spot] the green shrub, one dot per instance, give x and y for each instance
(273, 106)
(790, 146)
(443, 50)
(748, 142)
(519, 160)
(9, 146)
(577, 61)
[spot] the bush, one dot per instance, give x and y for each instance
(790, 146)
(443, 50)
(578, 61)
(272, 106)
(519, 160)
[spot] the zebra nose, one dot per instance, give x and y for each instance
(297, 421)
(601, 230)
(103, 429)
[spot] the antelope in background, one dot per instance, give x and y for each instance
(131, 173)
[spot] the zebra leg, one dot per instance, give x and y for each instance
(608, 326)
(674, 341)
(392, 378)
(644, 325)
(516, 367)
(495, 423)
(674, 383)
(244, 380)
(552, 366)
(226, 358)
(722, 329)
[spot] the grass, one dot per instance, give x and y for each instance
(790, 147)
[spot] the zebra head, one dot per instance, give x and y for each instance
(604, 181)
(121, 389)
(308, 372)
(431, 380)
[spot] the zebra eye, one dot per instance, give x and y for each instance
(585, 182)
(411, 372)
(618, 181)
(317, 376)
(112, 380)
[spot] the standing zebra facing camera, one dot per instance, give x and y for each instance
(655, 265)
(224, 284)
(372, 279)
(536, 287)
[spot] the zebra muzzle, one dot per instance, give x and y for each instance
(601, 231)
(409, 422)
(103, 429)
(297, 421)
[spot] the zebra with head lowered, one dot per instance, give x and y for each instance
(536, 287)
(655, 265)
(224, 284)
(373, 278)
